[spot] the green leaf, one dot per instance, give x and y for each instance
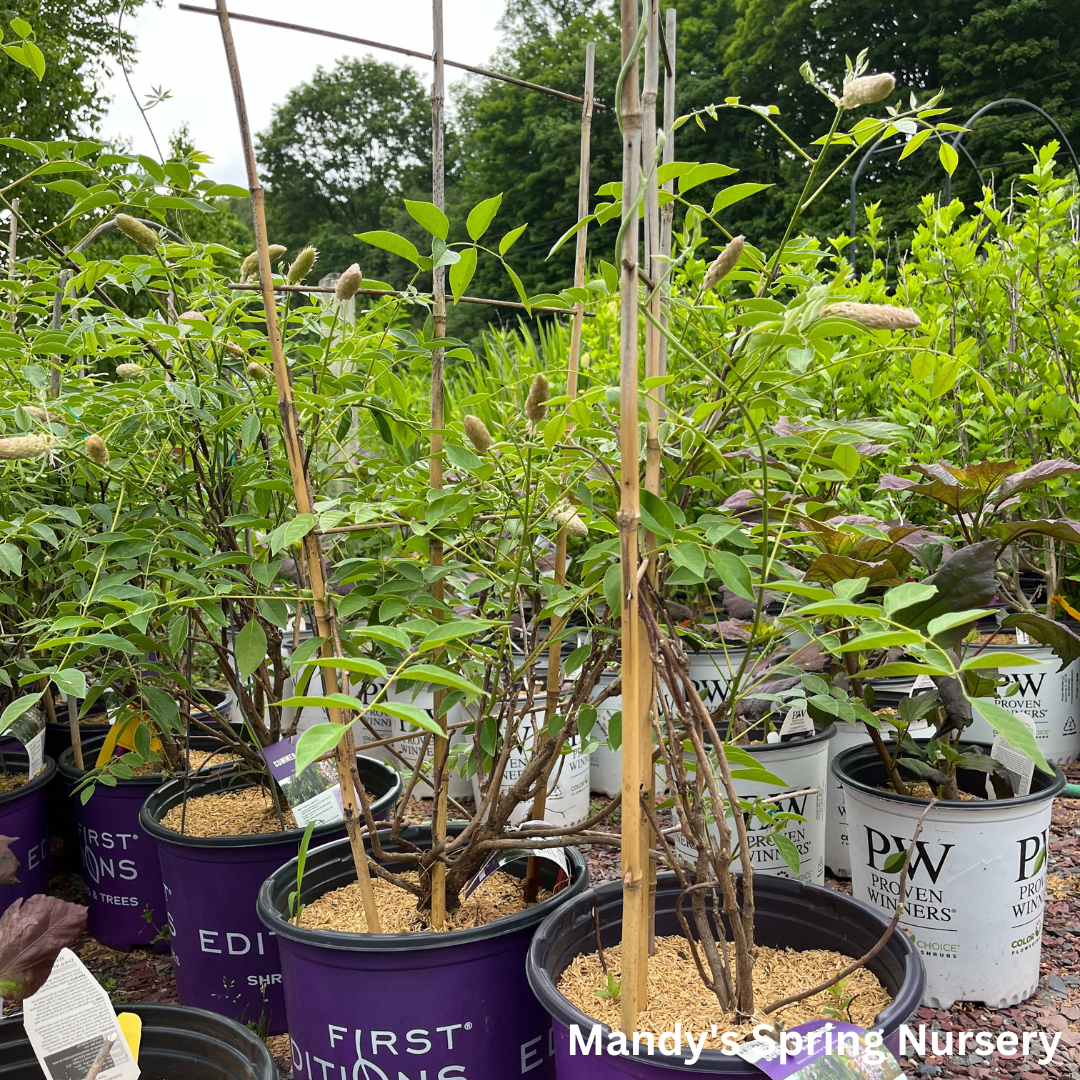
(250, 430)
(412, 715)
(948, 157)
(71, 681)
(429, 673)
(613, 587)
(846, 459)
(461, 273)
(788, 851)
(883, 640)
(356, 664)
(736, 193)
(11, 559)
(941, 623)
(997, 659)
(481, 216)
(1014, 731)
(390, 635)
(734, 573)
(511, 238)
(319, 739)
(453, 630)
(163, 708)
(442, 254)
(655, 515)
(324, 701)
(462, 457)
(1065, 644)
(910, 592)
(701, 174)
(250, 648)
(17, 708)
(388, 241)
(690, 556)
(523, 296)
(304, 652)
(298, 528)
(429, 217)
(894, 863)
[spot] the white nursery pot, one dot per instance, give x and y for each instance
(976, 890)
(605, 764)
(568, 784)
(801, 764)
(1050, 697)
(714, 670)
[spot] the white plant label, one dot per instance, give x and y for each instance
(922, 682)
(1021, 637)
(35, 752)
(797, 722)
(1020, 768)
(69, 1019)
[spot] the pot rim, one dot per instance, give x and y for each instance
(827, 732)
(845, 758)
(70, 771)
(563, 1012)
(155, 807)
(46, 773)
(348, 941)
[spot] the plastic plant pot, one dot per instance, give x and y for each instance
(803, 765)
(976, 889)
(453, 1004)
(224, 958)
(1050, 697)
(789, 914)
(23, 815)
(124, 895)
(177, 1044)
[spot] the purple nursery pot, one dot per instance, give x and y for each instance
(121, 872)
(23, 815)
(454, 1005)
(789, 913)
(224, 958)
(177, 1044)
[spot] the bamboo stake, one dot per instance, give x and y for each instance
(554, 675)
(294, 450)
(440, 780)
(655, 269)
(635, 941)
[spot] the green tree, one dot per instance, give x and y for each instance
(340, 154)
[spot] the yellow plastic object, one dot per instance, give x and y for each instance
(122, 734)
(131, 1026)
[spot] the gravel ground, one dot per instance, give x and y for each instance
(143, 975)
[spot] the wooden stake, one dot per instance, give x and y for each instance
(324, 618)
(554, 676)
(635, 939)
(440, 780)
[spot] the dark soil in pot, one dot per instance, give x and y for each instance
(225, 959)
(177, 1044)
(454, 1004)
(789, 914)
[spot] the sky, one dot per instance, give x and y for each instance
(182, 52)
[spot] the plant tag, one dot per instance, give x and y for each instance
(314, 794)
(29, 729)
(68, 1022)
(801, 1054)
(1020, 768)
(922, 682)
(1022, 638)
(499, 859)
(797, 722)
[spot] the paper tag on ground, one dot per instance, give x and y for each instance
(922, 682)
(67, 1021)
(314, 794)
(853, 1051)
(1019, 767)
(797, 722)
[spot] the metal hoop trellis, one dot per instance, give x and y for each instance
(958, 145)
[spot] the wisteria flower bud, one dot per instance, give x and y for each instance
(130, 371)
(478, 434)
(137, 231)
(565, 517)
(723, 264)
(193, 316)
(37, 413)
(867, 89)
(234, 350)
(18, 447)
(257, 371)
(875, 316)
(536, 402)
(349, 283)
(96, 450)
(249, 268)
(301, 266)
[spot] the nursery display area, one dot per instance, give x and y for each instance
(685, 681)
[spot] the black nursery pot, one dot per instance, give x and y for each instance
(224, 958)
(454, 1004)
(177, 1044)
(790, 914)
